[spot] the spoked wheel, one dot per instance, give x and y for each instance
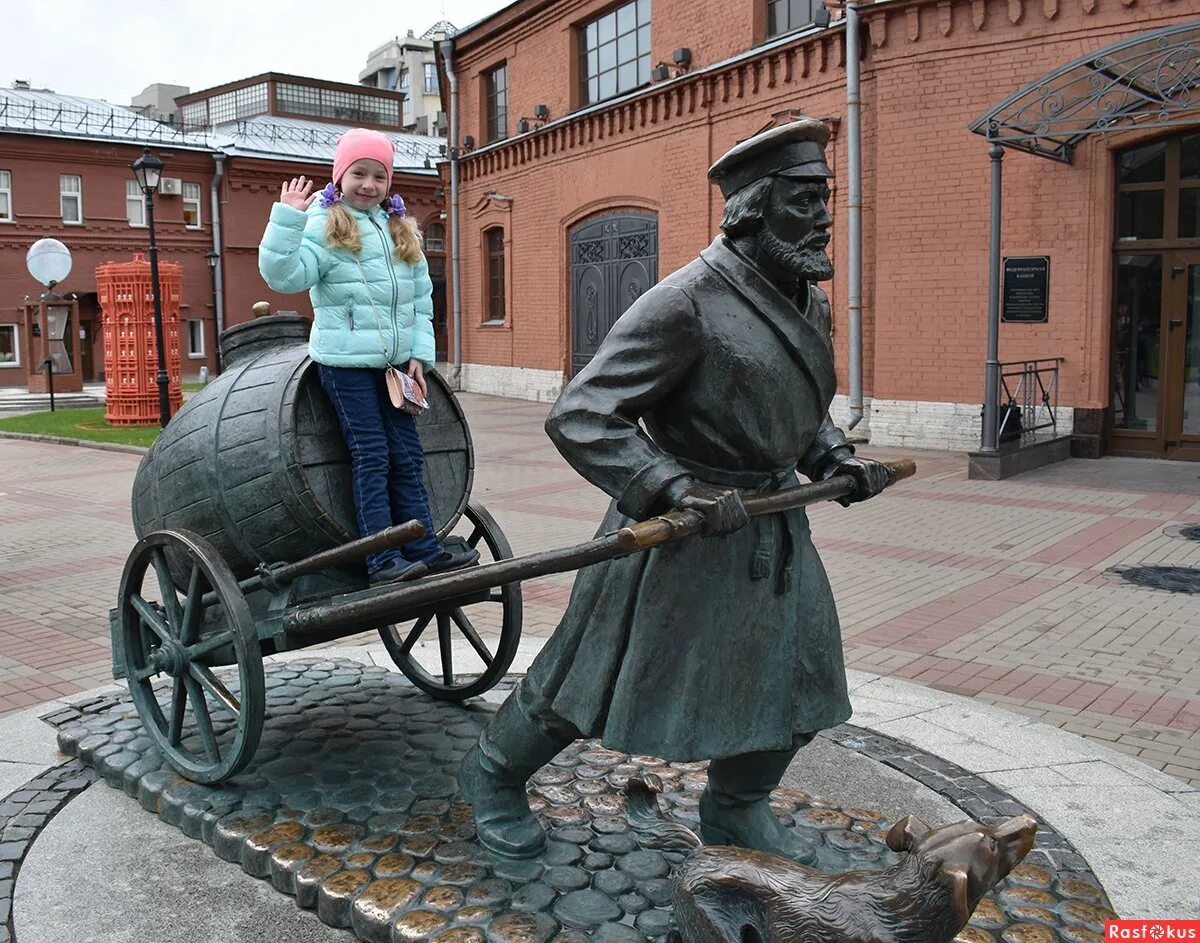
(490, 628)
(174, 638)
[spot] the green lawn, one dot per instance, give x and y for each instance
(79, 424)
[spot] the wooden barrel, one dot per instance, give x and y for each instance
(255, 461)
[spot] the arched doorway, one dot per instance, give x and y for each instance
(614, 259)
(1155, 376)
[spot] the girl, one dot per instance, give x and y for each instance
(360, 256)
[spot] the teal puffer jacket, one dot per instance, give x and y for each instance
(353, 304)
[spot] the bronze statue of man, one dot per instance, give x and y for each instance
(726, 648)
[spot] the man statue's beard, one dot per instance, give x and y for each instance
(809, 263)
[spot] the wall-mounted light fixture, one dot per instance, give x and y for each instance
(681, 62)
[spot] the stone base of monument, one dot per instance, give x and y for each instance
(351, 807)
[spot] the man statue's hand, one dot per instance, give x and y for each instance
(870, 478)
(722, 508)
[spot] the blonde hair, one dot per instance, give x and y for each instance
(341, 232)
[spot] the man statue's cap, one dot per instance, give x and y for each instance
(796, 149)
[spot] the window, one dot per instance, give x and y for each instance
(10, 353)
(496, 95)
(783, 16)
(195, 331)
(337, 105)
(405, 88)
(431, 78)
(195, 115)
(435, 237)
(229, 106)
(6, 210)
(495, 267)
(135, 204)
(191, 205)
(70, 198)
(615, 52)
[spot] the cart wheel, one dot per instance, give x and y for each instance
(434, 670)
(178, 638)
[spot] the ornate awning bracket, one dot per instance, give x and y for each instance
(1149, 80)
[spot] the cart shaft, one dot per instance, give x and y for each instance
(385, 604)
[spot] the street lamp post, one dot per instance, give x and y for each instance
(148, 171)
(212, 257)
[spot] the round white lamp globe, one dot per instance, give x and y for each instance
(49, 261)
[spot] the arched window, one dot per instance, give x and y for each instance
(435, 237)
(494, 241)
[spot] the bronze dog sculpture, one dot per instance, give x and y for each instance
(733, 895)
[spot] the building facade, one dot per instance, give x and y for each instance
(409, 65)
(65, 173)
(587, 129)
(157, 101)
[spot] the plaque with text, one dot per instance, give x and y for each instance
(1026, 297)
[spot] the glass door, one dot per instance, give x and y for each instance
(1181, 358)
(1155, 367)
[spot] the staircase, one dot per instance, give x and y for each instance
(16, 399)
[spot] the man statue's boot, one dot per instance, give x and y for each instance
(735, 808)
(493, 776)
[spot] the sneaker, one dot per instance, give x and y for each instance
(397, 571)
(453, 560)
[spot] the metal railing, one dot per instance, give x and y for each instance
(263, 128)
(1029, 401)
(53, 118)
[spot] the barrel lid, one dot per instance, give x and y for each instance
(275, 330)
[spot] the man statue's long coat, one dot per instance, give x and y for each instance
(717, 646)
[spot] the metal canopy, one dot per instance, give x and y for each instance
(1151, 80)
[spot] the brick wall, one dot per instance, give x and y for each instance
(930, 70)
(247, 194)
(35, 164)
(249, 188)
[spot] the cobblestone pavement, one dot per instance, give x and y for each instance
(996, 590)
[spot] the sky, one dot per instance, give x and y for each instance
(112, 50)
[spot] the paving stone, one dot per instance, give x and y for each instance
(337, 818)
(533, 897)
(586, 909)
(521, 928)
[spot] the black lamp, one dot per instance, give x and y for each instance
(212, 257)
(147, 170)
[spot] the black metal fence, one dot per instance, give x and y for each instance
(1029, 401)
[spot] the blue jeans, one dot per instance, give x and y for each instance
(386, 461)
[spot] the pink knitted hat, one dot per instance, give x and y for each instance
(362, 143)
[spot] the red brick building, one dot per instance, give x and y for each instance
(586, 139)
(64, 173)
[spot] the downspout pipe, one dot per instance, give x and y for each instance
(219, 294)
(855, 412)
(455, 269)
